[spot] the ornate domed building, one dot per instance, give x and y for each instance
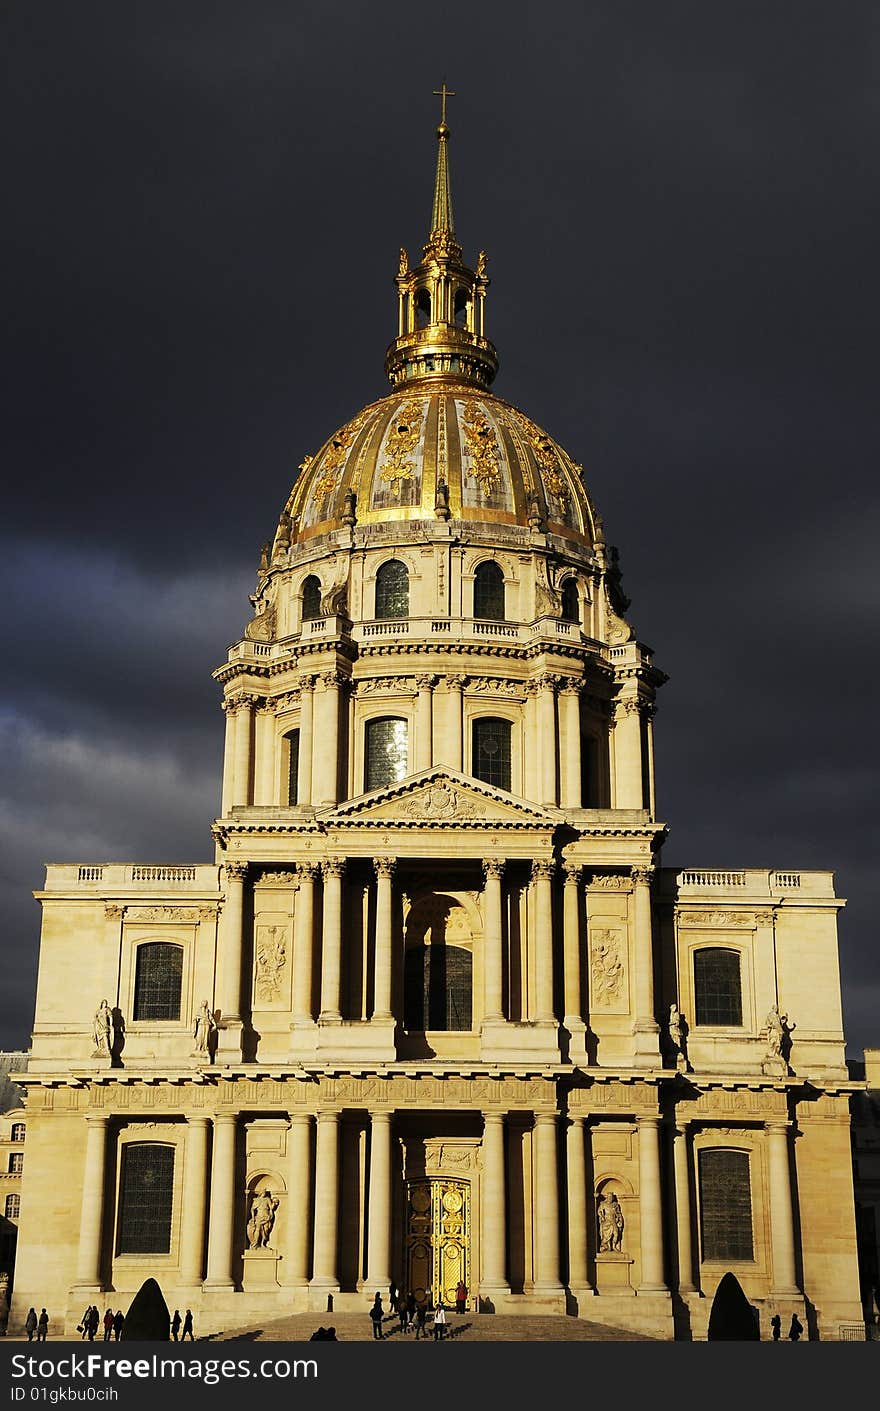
(436, 1014)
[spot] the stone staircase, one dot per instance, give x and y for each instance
(466, 1327)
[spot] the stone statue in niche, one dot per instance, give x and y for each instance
(204, 1026)
(676, 1026)
(610, 1220)
(103, 1031)
(259, 1228)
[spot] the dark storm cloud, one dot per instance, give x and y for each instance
(204, 207)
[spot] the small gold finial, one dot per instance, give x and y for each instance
(443, 93)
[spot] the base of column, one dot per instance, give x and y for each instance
(646, 1048)
(229, 1036)
(532, 1041)
(218, 1286)
(371, 1040)
(577, 1039)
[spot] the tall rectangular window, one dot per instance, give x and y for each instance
(386, 751)
(145, 1198)
(158, 978)
(717, 986)
(491, 752)
(16, 1162)
(726, 1205)
(293, 768)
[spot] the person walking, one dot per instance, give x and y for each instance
(796, 1328)
(94, 1322)
(175, 1325)
(439, 1322)
(776, 1325)
(410, 1311)
(42, 1326)
(402, 1312)
(376, 1317)
(118, 1324)
(421, 1319)
(30, 1324)
(83, 1324)
(461, 1297)
(108, 1324)
(187, 1326)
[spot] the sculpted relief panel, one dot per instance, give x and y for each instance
(271, 961)
(608, 977)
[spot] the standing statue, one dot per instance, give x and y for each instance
(103, 1030)
(618, 1222)
(441, 500)
(204, 1025)
(777, 1028)
(610, 1218)
(262, 1219)
(677, 1028)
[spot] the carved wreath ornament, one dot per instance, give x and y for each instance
(440, 802)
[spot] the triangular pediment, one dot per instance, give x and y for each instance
(440, 798)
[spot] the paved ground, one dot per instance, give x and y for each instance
(468, 1327)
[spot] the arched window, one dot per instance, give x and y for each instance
(423, 308)
(437, 983)
(461, 308)
(717, 986)
(311, 597)
(489, 591)
(13, 1207)
(157, 982)
(293, 767)
(490, 757)
(17, 1133)
(571, 605)
(725, 1205)
(146, 1194)
(386, 756)
(392, 590)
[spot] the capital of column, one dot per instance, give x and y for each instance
(493, 1119)
(225, 1119)
(383, 1115)
(570, 687)
(545, 1119)
(573, 873)
(549, 681)
(531, 688)
(778, 1126)
(325, 1116)
(333, 867)
(651, 1121)
(493, 867)
(307, 871)
(235, 871)
(385, 866)
(642, 876)
(113, 912)
(306, 683)
(456, 683)
(542, 870)
(329, 679)
(96, 1120)
(426, 683)
(198, 1121)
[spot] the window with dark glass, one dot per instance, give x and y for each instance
(491, 752)
(311, 597)
(385, 753)
(437, 988)
(292, 767)
(16, 1162)
(571, 605)
(717, 986)
(146, 1193)
(489, 591)
(17, 1134)
(158, 978)
(13, 1207)
(392, 590)
(725, 1205)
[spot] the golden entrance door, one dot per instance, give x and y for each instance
(438, 1237)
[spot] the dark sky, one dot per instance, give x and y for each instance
(203, 209)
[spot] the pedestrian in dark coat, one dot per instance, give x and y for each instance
(376, 1316)
(175, 1325)
(796, 1328)
(187, 1326)
(30, 1324)
(108, 1324)
(118, 1324)
(42, 1326)
(776, 1325)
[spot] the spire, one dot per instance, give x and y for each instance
(441, 214)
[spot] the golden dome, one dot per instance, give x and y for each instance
(441, 449)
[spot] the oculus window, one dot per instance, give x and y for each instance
(385, 752)
(158, 978)
(392, 590)
(146, 1193)
(491, 752)
(717, 986)
(725, 1205)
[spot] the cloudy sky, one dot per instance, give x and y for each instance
(203, 208)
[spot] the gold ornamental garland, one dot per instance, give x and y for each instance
(334, 461)
(545, 453)
(400, 445)
(482, 446)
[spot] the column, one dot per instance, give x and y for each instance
(546, 1205)
(547, 738)
(241, 788)
(629, 792)
(649, 713)
(681, 1168)
(331, 953)
(570, 754)
(492, 949)
(571, 942)
(303, 943)
(650, 1206)
(385, 867)
(576, 1172)
(493, 1207)
(542, 873)
(645, 1028)
(195, 1201)
(449, 750)
(424, 755)
(296, 1254)
(228, 708)
(306, 714)
(530, 762)
(231, 927)
(781, 1215)
(326, 756)
(91, 1220)
(379, 1208)
(324, 1276)
(265, 773)
(221, 1221)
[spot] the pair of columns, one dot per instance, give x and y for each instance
(251, 761)
(493, 969)
(633, 753)
(650, 1207)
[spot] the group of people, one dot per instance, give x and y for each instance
(413, 1313)
(186, 1323)
(36, 1327)
(794, 1332)
(91, 1321)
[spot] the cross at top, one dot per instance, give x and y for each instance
(443, 93)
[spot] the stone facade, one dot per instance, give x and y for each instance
(436, 1008)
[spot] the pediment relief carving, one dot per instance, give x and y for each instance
(436, 797)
